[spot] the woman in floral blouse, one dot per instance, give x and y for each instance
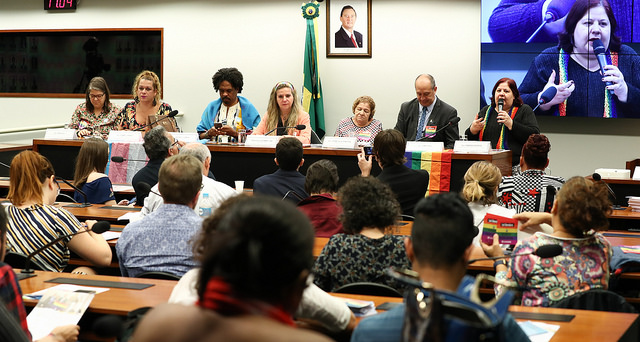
(97, 115)
(146, 91)
(580, 209)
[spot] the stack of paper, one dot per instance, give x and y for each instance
(634, 203)
(360, 308)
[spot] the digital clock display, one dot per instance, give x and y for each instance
(60, 4)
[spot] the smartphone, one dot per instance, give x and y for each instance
(368, 150)
(217, 125)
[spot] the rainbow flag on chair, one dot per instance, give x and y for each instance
(438, 164)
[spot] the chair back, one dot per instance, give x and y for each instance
(596, 300)
(17, 260)
(158, 275)
(370, 289)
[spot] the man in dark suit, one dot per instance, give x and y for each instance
(428, 112)
(286, 181)
(346, 37)
(409, 185)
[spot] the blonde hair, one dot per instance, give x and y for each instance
(149, 76)
(273, 110)
(481, 183)
(29, 170)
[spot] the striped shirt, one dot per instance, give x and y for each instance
(35, 226)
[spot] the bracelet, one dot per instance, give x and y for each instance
(499, 262)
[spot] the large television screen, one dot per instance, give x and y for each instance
(549, 43)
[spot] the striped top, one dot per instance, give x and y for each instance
(33, 227)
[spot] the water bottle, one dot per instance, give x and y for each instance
(205, 205)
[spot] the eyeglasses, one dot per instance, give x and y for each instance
(58, 184)
(96, 97)
(175, 143)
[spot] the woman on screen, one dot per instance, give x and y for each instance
(362, 124)
(97, 115)
(506, 122)
(89, 174)
(34, 221)
(579, 211)
(573, 68)
(146, 104)
(284, 113)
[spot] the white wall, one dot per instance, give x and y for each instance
(265, 40)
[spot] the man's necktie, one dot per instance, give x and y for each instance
(420, 130)
(353, 40)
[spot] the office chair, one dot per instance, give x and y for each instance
(596, 300)
(17, 260)
(158, 275)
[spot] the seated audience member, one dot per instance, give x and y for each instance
(531, 190)
(579, 211)
(480, 185)
(316, 304)
(287, 180)
(97, 115)
(362, 124)
(89, 174)
(216, 192)
(158, 145)
(231, 111)
(147, 94)
(161, 240)
(11, 297)
(34, 221)
(422, 117)
(283, 112)
(408, 185)
(439, 248)
(254, 271)
(366, 250)
(321, 207)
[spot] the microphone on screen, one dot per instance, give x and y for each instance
(546, 96)
(98, 228)
(118, 159)
(599, 51)
(544, 251)
(298, 127)
(170, 115)
(84, 195)
(432, 135)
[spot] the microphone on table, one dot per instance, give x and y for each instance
(599, 51)
(5, 165)
(170, 115)
(544, 251)
(118, 159)
(432, 135)
(144, 187)
(98, 228)
(598, 178)
(298, 127)
(546, 96)
(84, 195)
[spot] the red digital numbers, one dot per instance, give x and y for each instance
(60, 4)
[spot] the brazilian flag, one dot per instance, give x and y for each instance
(312, 94)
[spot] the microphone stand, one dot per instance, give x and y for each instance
(78, 205)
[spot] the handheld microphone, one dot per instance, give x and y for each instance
(544, 251)
(84, 195)
(298, 127)
(98, 228)
(118, 159)
(500, 105)
(599, 51)
(546, 96)
(170, 115)
(432, 135)
(555, 10)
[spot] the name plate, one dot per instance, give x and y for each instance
(60, 133)
(185, 136)
(340, 142)
(262, 140)
(424, 146)
(125, 136)
(468, 146)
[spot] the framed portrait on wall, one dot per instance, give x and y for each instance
(349, 28)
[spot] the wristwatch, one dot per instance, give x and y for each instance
(499, 262)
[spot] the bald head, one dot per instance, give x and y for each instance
(201, 152)
(426, 89)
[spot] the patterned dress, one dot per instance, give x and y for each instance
(532, 190)
(365, 135)
(583, 265)
(347, 259)
(127, 117)
(103, 122)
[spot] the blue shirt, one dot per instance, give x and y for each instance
(160, 241)
(99, 191)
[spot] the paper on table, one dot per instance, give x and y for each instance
(130, 216)
(68, 288)
(360, 308)
(56, 308)
(539, 331)
(111, 235)
(121, 187)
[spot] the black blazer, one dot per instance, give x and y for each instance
(441, 115)
(409, 185)
(279, 183)
(344, 41)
